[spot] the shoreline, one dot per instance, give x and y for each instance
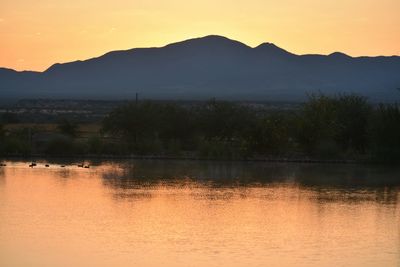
(194, 158)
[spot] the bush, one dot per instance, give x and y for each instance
(67, 127)
(385, 132)
(95, 145)
(61, 146)
(225, 120)
(327, 149)
(173, 147)
(272, 134)
(147, 146)
(325, 127)
(218, 149)
(342, 119)
(15, 145)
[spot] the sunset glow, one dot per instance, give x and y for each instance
(36, 34)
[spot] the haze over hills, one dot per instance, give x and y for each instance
(212, 66)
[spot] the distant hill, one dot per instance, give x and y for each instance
(212, 66)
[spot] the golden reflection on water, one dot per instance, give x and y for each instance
(197, 214)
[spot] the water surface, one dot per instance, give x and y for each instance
(189, 213)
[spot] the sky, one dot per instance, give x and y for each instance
(34, 34)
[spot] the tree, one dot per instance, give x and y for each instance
(133, 121)
(351, 122)
(67, 127)
(2, 131)
(316, 122)
(385, 132)
(225, 120)
(272, 133)
(337, 122)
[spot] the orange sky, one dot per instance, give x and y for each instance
(37, 33)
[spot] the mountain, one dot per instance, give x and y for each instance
(212, 66)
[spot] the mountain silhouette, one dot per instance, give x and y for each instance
(211, 66)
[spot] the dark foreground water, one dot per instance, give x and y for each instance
(167, 213)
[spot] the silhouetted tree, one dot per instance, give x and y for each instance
(225, 120)
(176, 122)
(133, 120)
(2, 131)
(325, 126)
(67, 127)
(327, 122)
(385, 132)
(272, 133)
(351, 122)
(316, 122)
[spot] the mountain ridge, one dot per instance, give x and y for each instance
(205, 37)
(206, 67)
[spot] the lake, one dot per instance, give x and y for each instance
(198, 213)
